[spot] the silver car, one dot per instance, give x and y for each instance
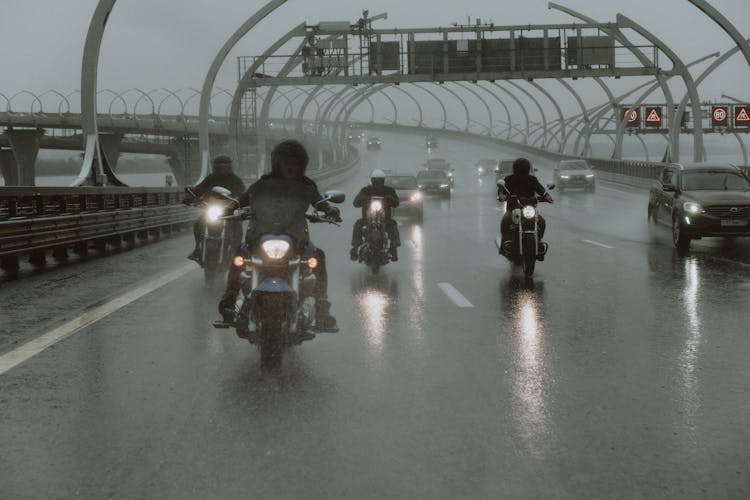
(574, 174)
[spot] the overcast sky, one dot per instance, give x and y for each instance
(150, 44)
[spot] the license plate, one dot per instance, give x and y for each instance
(734, 222)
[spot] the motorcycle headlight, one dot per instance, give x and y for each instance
(275, 249)
(529, 212)
(693, 208)
(416, 197)
(376, 206)
(213, 212)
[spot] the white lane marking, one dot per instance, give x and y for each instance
(597, 243)
(411, 244)
(32, 348)
(454, 295)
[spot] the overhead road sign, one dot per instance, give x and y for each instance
(720, 116)
(653, 116)
(633, 117)
(742, 115)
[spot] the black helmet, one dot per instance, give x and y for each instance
(222, 164)
(289, 152)
(521, 166)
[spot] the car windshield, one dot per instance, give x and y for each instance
(714, 180)
(401, 182)
(575, 165)
(436, 163)
(431, 174)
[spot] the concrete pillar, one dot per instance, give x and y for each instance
(186, 165)
(9, 167)
(110, 146)
(25, 144)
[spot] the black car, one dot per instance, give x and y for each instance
(430, 142)
(441, 164)
(701, 199)
(487, 167)
(504, 169)
(374, 143)
(434, 181)
(409, 195)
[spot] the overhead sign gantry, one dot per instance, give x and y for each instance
(344, 53)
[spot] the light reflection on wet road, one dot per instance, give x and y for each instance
(619, 371)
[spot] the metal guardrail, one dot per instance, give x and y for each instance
(36, 219)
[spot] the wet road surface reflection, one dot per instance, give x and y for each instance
(523, 305)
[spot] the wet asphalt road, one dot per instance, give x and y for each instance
(620, 372)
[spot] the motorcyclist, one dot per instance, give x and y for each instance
(377, 187)
(279, 201)
(526, 187)
(221, 175)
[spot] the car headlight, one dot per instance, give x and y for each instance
(480, 169)
(693, 208)
(589, 176)
(416, 197)
(443, 185)
(376, 206)
(213, 212)
(420, 186)
(450, 174)
(529, 212)
(275, 249)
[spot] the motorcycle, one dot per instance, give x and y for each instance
(523, 248)
(221, 235)
(374, 248)
(275, 307)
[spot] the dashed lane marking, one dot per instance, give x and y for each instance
(596, 243)
(32, 348)
(454, 295)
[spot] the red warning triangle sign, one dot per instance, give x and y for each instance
(653, 116)
(742, 116)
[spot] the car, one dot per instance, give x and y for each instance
(430, 142)
(374, 143)
(441, 164)
(355, 135)
(487, 167)
(434, 181)
(574, 174)
(701, 199)
(409, 195)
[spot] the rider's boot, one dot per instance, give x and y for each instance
(324, 322)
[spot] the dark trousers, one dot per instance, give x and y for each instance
(508, 220)
(391, 227)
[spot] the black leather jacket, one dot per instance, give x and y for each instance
(279, 206)
(367, 192)
(526, 187)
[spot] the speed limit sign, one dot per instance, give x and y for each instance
(720, 116)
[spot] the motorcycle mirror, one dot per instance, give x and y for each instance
(501, 182)
(334, 196)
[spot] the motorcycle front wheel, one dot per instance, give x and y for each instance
(529, 254)
(271, 334)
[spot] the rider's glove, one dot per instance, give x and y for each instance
(333, 213)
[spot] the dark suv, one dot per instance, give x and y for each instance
(701, 199)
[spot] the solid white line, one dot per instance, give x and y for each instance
(454, 295)
(597, 243)
(411, 244)
(19, 355)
